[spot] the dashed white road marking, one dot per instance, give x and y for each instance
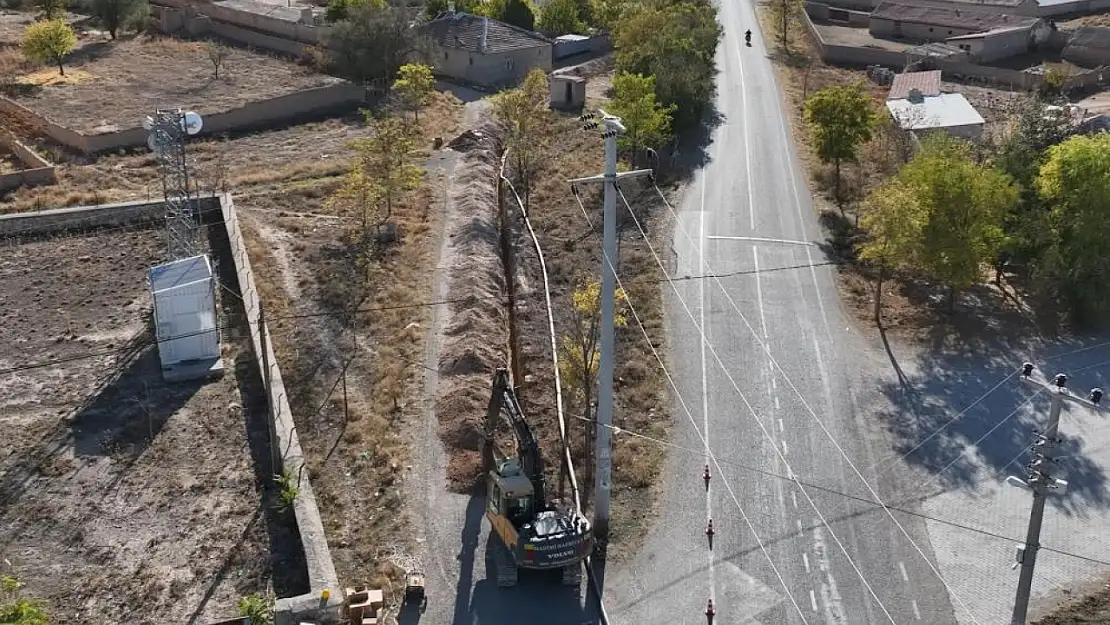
(902, 568)
(760, 240)
(784, 448)
(798, 521)
(774, 383)
(794, 498)
(782, 428)
(813, 600)
(805, 560)
(916, 612)
(777, 407)
(759, 297)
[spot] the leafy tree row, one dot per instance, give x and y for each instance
(674, 41)
(1040, 195)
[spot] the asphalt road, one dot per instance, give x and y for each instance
(783, 552)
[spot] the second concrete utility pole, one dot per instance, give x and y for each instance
(604, 426)
(1042, 479)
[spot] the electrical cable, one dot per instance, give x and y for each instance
(707, 450)
(832, 491)
(817, 419)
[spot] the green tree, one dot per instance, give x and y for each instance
(605, 14)
(415, 85)
(964, 204)
(1021, 152)
(1074, 183)
(647, 123)
(578, 358)
(387, 155)
(524, 112)
(561, 17)
(893, 221)
(373, 43)
(115, 14)
(52, 9)
(519, 13)
(338, 10)
(49, 41)
(14, 608)
(784, 14)
(841, 118)
(432, 8)
(676, 42)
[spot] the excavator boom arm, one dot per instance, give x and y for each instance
(503, 404)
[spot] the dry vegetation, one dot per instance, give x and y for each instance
(351, 426)
(112, 85)
(122, 496)
(1081, 608)
(911, 309)
(301, 252)
(476, 336)
(573, 252)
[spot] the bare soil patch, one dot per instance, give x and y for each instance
(122, 496)
(1088, 606)
(476, 334)
(116, 84)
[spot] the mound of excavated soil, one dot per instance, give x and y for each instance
(476, 333)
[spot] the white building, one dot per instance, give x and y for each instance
(950, 112)
(185, 317)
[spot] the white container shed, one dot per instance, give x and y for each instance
(185, 311)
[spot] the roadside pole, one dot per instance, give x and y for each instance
(1043, 478)
(603, 482)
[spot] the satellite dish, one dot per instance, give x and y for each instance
(192, 123)
(153, 145)
(148, 122)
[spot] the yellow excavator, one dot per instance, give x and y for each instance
(530, 531)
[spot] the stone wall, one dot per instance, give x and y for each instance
(305, 103)
(37, 171)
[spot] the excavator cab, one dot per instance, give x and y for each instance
(529, 531)
(511, 494)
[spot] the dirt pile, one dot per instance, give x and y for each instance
(476, 334)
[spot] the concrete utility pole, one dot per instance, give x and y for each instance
(604, 424)
(1042, 479)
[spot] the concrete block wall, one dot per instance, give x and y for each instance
(78, 218)
(37, 171)
(597, 43)
(308, 34)
(860, 56)
(286, 446)
(335, 97)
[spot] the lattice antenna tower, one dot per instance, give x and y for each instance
(168, 131)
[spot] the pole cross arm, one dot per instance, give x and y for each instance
(620, 176)
(1060, 392)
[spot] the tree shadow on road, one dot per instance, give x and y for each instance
(959, 411)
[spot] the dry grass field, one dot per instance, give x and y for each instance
(113, 85)
(123, 498)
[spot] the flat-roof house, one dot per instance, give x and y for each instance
(984, 34)
(484, 51)
(950, 112)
